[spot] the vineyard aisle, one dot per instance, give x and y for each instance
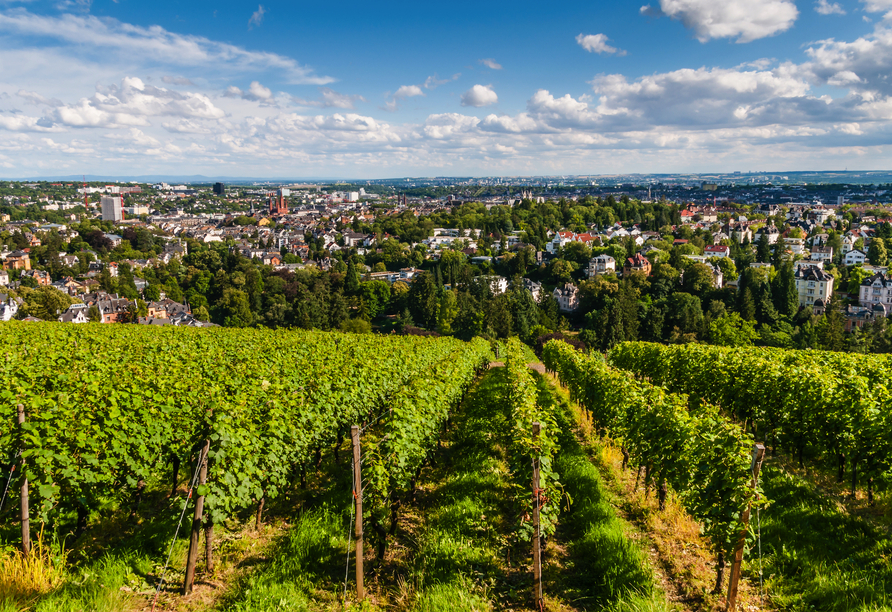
(465, 556)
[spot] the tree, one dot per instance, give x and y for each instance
(351, 281)
(235, 309)
(698, 279)
(763, 248)
(877, 252)
(94, 315)
(423, 301)
(831, 328)
(446, 312)
(732, 330)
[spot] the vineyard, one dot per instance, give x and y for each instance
(414, 473)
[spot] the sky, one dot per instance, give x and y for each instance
(374, 90)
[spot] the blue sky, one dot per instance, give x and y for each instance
(370, 90)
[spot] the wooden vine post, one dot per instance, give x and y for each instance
(25, 515)
(734, 579)
(537, 540)
(197, 517)
(357, 495)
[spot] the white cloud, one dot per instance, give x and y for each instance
(877, 6)
(864, 65)
(109, 37)
(747, 20)
(597, 43)
(329, 98)
(405, 91)
(824, 7)
(490, 63)
(257, 17)
(432, 82)
(479, 95)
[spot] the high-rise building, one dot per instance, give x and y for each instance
(219, 189)
(112, 208)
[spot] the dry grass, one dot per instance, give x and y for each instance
(24, 578)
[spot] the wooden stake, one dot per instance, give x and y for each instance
(734, 578)
(196, 522)
(25, 515)
(537, 540)
(357, 495)
(209, 546)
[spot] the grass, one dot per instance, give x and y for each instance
(460, 559)
(603, 567)
(816, 556)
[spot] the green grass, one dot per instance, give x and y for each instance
(604, 569)
(461, 547)
(305, 570)
(817, 557)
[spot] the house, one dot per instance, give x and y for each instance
(567, 297)
(8, 308)
(821, 253)
(638, 263)
(770, 232)
(855, 257)
(795, 245)
(561, 239)
(876, 289)
(533, 287)
(41, 277)
(601, 264)
(353, 239)
(497, 284)
(18, 260)
(812, 284)
(70, 261)
(4, 278)
(114, 239)
(717, 250)
(76, 313)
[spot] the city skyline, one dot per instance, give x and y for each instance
(266, 90)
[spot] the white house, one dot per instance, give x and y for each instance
(876, 289)
(4, 277)
(717, 250)
(8, 310)
(855, 257)
(796, 245)
(496, 284)
(560, 239)
(602, 264)
(821, 253)
(812, 284)
(567, 297)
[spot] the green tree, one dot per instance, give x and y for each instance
(351, 280)
(763, 249)
(732, 330)
(447, 311)
(877, 252)
(235, 309)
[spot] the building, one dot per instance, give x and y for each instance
(277, 204)
(567, 297)
(4, 278)
(638, 263)
(812, 284)
(112, 208)
(717, 250)
(602, 264)
(533, 287)
(876, 289)
(855, 257)
(18, 260)
(219, 189)
(821, 253)
(497, 284)
(41, 277)
(8, 308)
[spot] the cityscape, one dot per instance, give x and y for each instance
(430, 307)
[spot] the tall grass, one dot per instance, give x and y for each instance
(24, 578)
